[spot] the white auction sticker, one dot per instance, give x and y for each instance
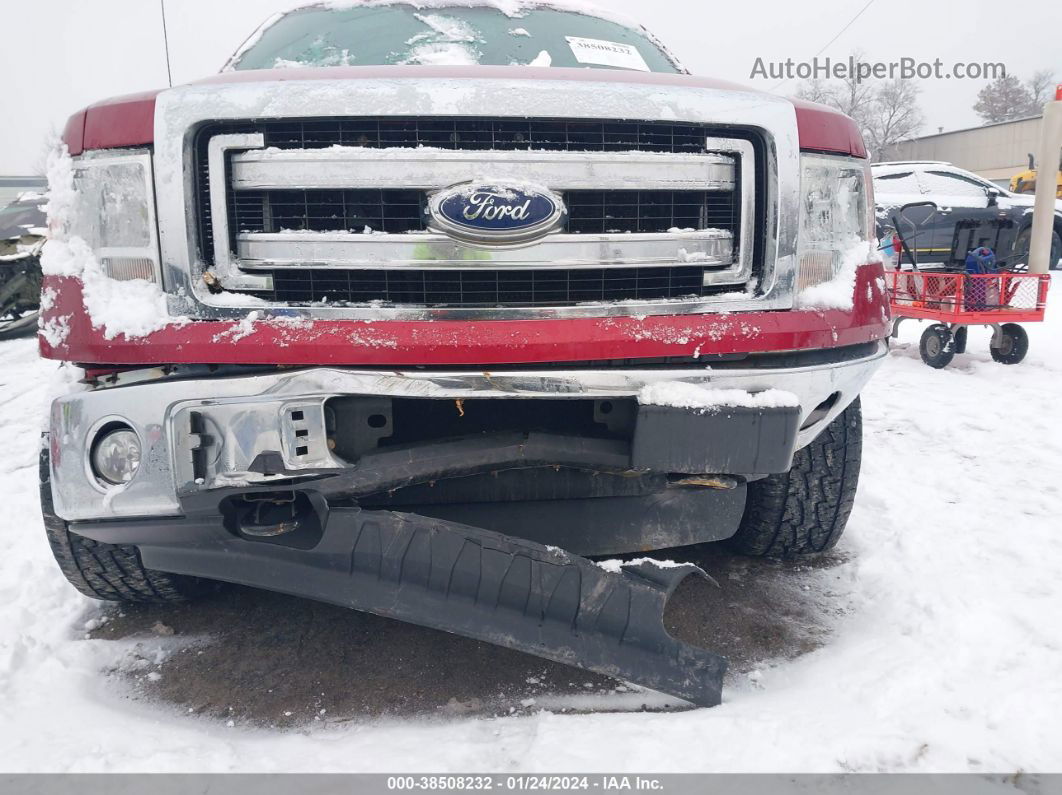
(607, 53)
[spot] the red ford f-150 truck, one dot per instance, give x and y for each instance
(417, 307)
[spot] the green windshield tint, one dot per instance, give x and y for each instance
(402, 34)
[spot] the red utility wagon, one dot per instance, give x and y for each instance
(955, 300)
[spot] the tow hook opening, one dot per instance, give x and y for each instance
(288, 518)
(820, 412)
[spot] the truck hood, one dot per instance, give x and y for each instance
(129, 120)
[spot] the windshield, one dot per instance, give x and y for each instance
(380, 34)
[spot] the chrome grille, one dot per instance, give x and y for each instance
(456, 134)
(655, 210)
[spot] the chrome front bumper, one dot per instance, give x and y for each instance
(283, 412)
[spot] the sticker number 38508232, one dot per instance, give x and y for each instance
(606, 53)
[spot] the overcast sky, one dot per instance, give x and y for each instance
(59, 55)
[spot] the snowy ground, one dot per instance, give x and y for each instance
(945, 653)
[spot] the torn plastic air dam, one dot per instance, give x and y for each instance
(477, 583)
(472, 581)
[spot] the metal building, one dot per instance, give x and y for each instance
(994, 151)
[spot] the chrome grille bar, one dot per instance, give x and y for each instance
(709, 248)
(432, 169)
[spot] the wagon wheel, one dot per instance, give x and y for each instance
(959, 336)
(1012, 345)
(937, 347)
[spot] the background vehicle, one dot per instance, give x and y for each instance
(1025, 181)
(22, 232)
(970, 212)
(416, 338)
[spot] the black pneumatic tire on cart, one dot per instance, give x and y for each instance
(1013, 344)
(112, 572)
(804, 511)
(937, 347)
(959, 339)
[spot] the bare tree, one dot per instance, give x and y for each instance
(49, 142)
(1003, 99)
(851, 96)
(816, 91)
(1041, 86)
(886, 112)
(895, 116)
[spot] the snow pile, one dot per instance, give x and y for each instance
(615, 565)
(331, 56)
(289, 328)
(133, 308)
(678, 394)
(62, 195)
(839, 292)
(55, 330)
(450, 42)
(542, 59)
(244, 328)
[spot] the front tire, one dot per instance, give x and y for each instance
(111, 572)
(936, 346)
(1013, 344)
(804, 511)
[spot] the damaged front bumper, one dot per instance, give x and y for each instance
(459, 501)
(202, 434)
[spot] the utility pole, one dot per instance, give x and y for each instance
(1046, 185)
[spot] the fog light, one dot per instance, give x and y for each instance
(116, 456)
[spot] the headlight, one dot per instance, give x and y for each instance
(115, 213)
(834, 215)
(116, 456)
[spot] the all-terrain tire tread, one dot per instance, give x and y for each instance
(804, 511)
(112, 572)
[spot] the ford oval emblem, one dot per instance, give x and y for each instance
(496, 213)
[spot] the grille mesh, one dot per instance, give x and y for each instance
(393, 211)
(476, 288)
(564, 135)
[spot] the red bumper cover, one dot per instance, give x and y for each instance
(463, 342)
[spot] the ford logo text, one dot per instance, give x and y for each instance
(496, 214)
